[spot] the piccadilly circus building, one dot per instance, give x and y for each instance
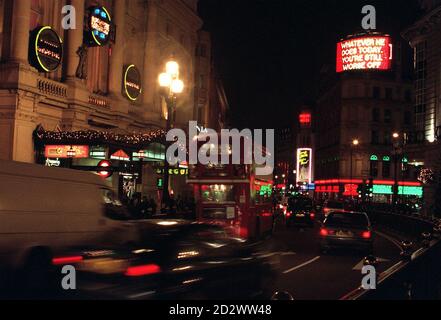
(79, 85)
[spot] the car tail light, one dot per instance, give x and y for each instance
(366, 235)
(144, 270)
(324, 232)
(66, 260)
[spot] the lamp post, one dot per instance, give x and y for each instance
(354, 144)
(171, 86)
(396, 145)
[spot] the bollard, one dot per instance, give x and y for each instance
(406, 253)
(282, 296)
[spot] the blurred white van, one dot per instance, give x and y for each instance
(44, 211)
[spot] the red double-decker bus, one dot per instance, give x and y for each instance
(234, 197)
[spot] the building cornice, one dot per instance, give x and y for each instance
(422, 27)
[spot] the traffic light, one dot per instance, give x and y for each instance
(370, 189)
(160, 183)
(104, 169)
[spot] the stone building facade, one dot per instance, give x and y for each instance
(87, 91)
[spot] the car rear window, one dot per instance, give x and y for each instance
(335, 205)
(347, 220)
(300, 203)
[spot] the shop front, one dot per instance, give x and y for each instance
(375, 191)
(133, 158)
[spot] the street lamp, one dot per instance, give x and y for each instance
(354, 144)
(171, 86)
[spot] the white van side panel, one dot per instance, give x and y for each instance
(35, 211)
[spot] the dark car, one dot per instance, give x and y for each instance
(348, 230)
(300, 211)
(176, 260)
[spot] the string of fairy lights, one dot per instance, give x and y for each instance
(99, 137)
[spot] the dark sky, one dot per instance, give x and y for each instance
(269, 52)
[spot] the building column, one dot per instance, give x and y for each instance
(152, 65)
(21, 16)
(117, 58)
(74, 40)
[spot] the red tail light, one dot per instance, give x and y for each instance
(288, 213)
(66, 260)
(366, 235)
(145, 270)
(324, 232)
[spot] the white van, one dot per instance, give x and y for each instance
(44, 211)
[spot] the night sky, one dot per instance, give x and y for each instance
(269, 53)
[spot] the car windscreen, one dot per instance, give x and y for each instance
(348, 220)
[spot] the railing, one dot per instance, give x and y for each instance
(52, 88)
(418, 274)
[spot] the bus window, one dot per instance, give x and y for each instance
(217, 193)
(263, 193)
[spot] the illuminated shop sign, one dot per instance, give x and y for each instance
(173, 171)
(382, 189)
(402, 190)
(304, 165)
(148, 155)
(100, 27)
(98, 153)
(66, 151)
(45, 49)
(132, 82)
(327, 189)
(350, 189)
(364, 53)
(410, 191)
(120, 155)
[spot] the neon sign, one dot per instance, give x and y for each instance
(304, 165)
(45, 49)
(132, 82)
(364, 53)
(305, 119)
(100, 26)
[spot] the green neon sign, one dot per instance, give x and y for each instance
(382, 189)
(410, 191)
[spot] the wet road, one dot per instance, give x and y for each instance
(308, 274)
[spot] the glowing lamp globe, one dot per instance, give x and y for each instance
(165, 80)
(177, 86)
(172, 68)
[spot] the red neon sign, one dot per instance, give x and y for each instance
(350, 190)
(364, 53)
(305, 118)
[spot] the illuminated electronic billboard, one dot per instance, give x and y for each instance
(364, 53)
